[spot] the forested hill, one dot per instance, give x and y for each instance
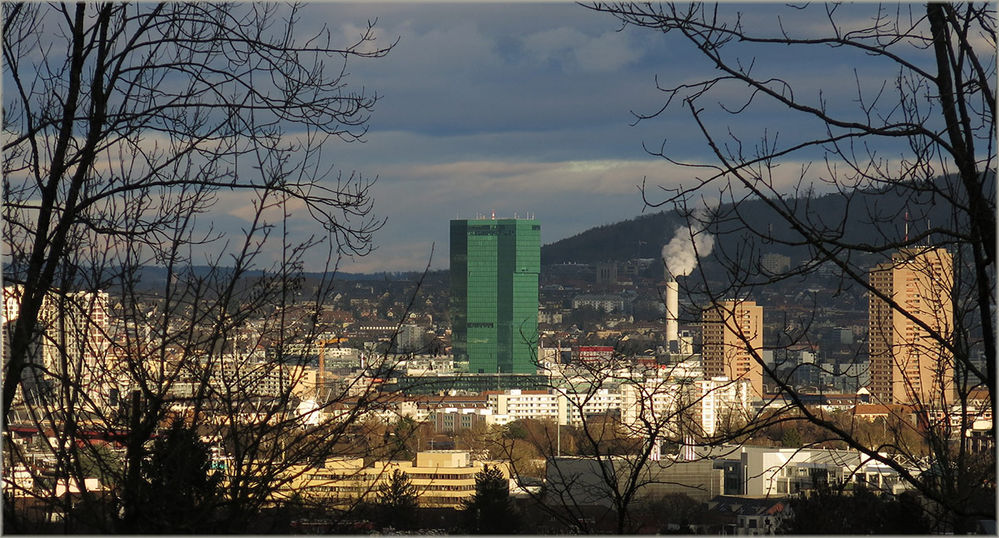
(640, 237)
(644, 236)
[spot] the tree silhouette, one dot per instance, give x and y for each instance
(489, 510)
(860, 512)
(135, 132)
(791, 438)
(180, 490)
(397, 501)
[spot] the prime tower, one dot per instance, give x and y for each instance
(494, 294)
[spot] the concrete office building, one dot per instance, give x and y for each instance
(757, 471)
(494, 294)
(584, 480)
(731, 334)
(441, 478)
(909, 363)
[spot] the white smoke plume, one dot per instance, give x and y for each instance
(681, 253)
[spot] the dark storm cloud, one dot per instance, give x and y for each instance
(528, 108)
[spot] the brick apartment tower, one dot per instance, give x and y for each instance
(730, 332)
(909, 364)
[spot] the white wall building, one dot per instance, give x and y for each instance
(588, 404)
(778, 472)
(722, 400)
(607, 303)
(516, 404)
(410, 337)
(73, 340)
(655, 400)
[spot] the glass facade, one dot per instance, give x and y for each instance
(464, 383)
(494, 294)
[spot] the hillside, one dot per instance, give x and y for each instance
(644, 236)
(639, 237)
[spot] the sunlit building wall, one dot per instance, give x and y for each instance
(907, 343)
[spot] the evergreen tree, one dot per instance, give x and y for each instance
(791, 438)
(397, 501)
(489, 511)
(180, 490)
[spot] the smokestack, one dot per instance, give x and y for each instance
(680, 256)
(672, 311)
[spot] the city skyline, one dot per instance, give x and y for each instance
(186, 185)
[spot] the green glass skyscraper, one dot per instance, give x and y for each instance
(494, 294)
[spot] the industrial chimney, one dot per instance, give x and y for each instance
(672, 314)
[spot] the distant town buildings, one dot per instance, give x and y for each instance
(732, 333)
(639, 375)
(774, 263)
(607, 273)
(604, 302)
(494, 294)
(907, 343)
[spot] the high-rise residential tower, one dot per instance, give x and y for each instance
(731, 331)
(910, 362)
(494, 294)
(72, 341)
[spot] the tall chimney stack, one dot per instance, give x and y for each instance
(672, 312)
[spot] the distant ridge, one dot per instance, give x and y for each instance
(153, 275)
(639, 237)
(644, 236)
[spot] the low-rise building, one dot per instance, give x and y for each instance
(605, 302)
(750, 517)
(451, 419)
(442, 479)
(519, 404)
(722, 402)
(756, 471)
(584, 481)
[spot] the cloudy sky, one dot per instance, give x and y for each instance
(526, 109)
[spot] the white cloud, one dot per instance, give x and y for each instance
(553, 44)
(606, 53)
(424, 55)
(364, 40)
